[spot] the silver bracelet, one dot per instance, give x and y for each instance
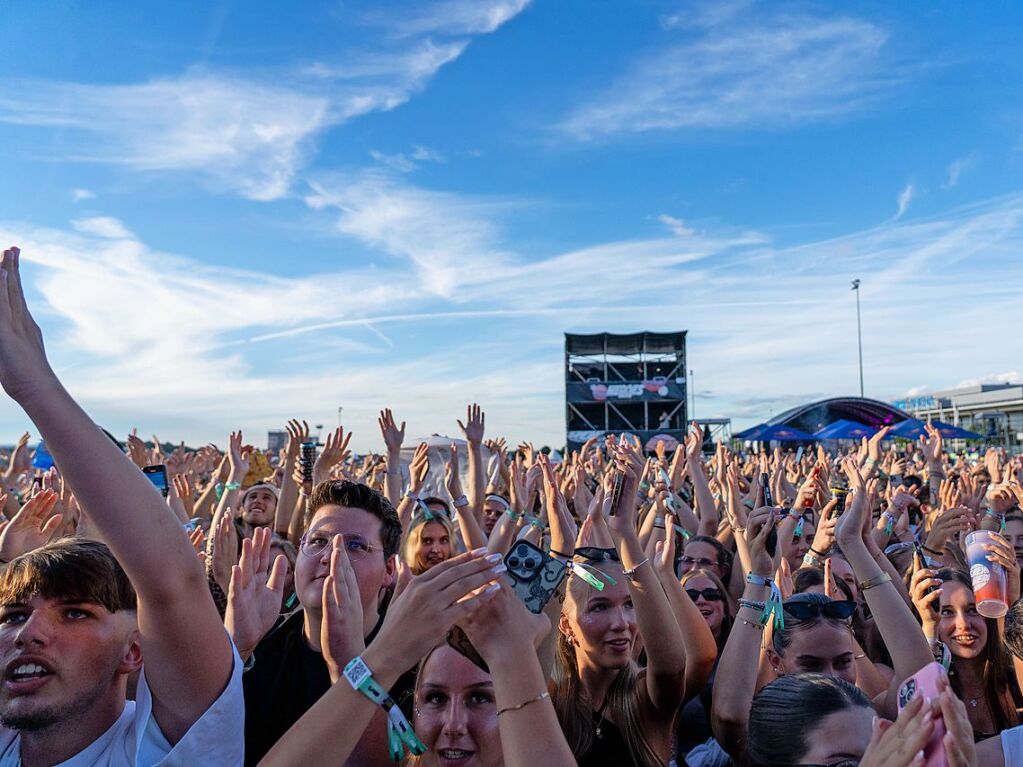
(632, 570)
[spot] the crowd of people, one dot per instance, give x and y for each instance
(486, 605)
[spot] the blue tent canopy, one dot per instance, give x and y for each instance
(948, 431)
(781, 433)
(845, 429)
(911, 428)
(751, 433)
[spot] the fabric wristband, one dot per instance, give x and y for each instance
(773, 605)
(400, 734)
(460, 502)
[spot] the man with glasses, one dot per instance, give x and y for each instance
(286, 671)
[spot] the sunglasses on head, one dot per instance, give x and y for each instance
(597, 554)
(709, 594)
(839, 609)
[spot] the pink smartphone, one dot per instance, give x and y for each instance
(925, 683)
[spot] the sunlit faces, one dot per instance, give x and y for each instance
(840, 735)
(699, 555)
(801, 545)
(960, 626)
(712, 610)
(63, 661)
(842, 570)
(823, 647)
(1013, 533)
(456, 713)
(259, 507)
(492, 511)
(373, 571)
(601, 624)
(434, 546)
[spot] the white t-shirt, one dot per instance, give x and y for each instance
(135, 740)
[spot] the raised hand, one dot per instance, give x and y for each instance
(899, 744)
(33, 526)
(334, 452)
(341, 630)
(393, 435)
(222, 554)
(925, 591)
(237, 462)
(452, 478)
(255, 593)
(419, 467)
(758, 527)
(474, 425)
(19, 461)
(947, 524)
(183, 487)
(931, 446)
(563, 529)
(24, 369)
(421, 616)
(137, 451)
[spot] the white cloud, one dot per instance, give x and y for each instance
(406, 163)
(102, 226)
(957, 168)
(166, 342)
(249, 135)
(241, 135)
(82, 194)
(452, 17)
(904, 199)
(781, 70)
(1012, 377)
(676, 225)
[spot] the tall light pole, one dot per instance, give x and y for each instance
(859, 331)
(692, 398)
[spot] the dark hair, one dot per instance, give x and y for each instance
(70, 569)
(341, 492)
(724, 555)
(440, 501)
(785, 712)
(806, 578)
(1014, 629)
(999, 676)
(782, 638)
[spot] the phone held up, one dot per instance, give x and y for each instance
(765, 498)
(925, 683)
(306, 460)
(157, 474)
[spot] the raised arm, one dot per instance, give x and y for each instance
(288, 495)
(706, 509)
(175, 609)
(468, 520)
(472, 430)
(393, 437)
(666, 661)
(895, 621)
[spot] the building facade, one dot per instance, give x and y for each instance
(993, 410)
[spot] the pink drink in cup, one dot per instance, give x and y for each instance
(990, 587)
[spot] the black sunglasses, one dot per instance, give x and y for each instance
(711, 594)
(839, 609)
(597, 554)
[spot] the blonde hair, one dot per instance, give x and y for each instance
(415, 536)
(574, 707)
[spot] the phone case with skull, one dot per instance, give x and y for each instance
(535, 574)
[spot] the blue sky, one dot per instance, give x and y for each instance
(235, 213)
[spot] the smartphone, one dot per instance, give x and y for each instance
(766, 499)
(535, 574)
(307, 459)
(799, 454)
(925, 683)
(840, 494)
(616, 490)
(158, 476)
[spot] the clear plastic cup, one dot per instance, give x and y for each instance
(990, 585)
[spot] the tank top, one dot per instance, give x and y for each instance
(609, 750)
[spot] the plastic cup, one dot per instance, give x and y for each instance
(990, 586)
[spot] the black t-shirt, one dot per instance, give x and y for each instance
(288, 677)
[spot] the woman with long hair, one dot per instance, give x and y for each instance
(430, 540)
(816, 719)
(981, 670)
(612, 711)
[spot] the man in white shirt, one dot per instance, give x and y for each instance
(74, 625)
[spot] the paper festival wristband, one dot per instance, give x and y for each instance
(400, 734)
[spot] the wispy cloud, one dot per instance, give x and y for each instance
(774, 70)
(82, 194)
(676, 225)
(248, 134)
(769, 326)
(957, 168)
(904, 199)
(451, 17)
(406, 162)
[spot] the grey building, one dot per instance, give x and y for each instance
(994, 410)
